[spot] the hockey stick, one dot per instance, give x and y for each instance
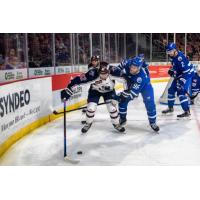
(193, 97)
(66, 157)
(58, 113)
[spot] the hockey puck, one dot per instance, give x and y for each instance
(79, 152)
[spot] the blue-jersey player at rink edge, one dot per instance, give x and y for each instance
(137, 82)
(182, 71)
(195, 89)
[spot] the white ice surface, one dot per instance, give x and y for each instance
(178, 142)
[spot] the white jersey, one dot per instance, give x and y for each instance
(103, 86)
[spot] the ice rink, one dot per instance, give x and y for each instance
(178, 142)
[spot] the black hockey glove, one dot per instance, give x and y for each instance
(171, 73)
(66, 94)
(125, 96)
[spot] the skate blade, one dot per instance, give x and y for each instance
(167, 114)
(67, 158)
(85, 133)
(120, 133)
(184, 118)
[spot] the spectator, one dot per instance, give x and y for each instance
(2, 61)
(12, 61)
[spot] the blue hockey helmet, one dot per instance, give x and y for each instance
(136, 61)
(170, 46)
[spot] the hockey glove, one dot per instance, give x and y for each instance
(66, 94)
(125, 96)
(171, 72)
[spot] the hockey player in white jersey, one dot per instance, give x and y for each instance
(102, 86)
(94, 63)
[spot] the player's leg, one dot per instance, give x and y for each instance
(171, 98)
(112, 109)
(93, 100)
(195, 90)
(123, 112)
(148, 99)
(181, 92)
(84, 110)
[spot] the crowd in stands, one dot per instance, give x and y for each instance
(11, 55)
(40, 48)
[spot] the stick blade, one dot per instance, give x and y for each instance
(55, 112)
(67, 158)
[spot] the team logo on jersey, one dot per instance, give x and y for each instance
(179, 58)
(139, 80)
(136, 86)
(194, 84)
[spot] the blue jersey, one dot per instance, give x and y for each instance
(135, 83)
(181, 66)
(195, 83)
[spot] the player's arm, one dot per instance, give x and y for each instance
(146, 68)
(122, 64)
(78, 80)
(116, 71)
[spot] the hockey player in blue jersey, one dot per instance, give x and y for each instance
(182, 71)
(195, 89)
(102, 85)
(137, 82)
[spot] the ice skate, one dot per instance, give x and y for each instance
(86, 127)
(168, 111)
(119, 128)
